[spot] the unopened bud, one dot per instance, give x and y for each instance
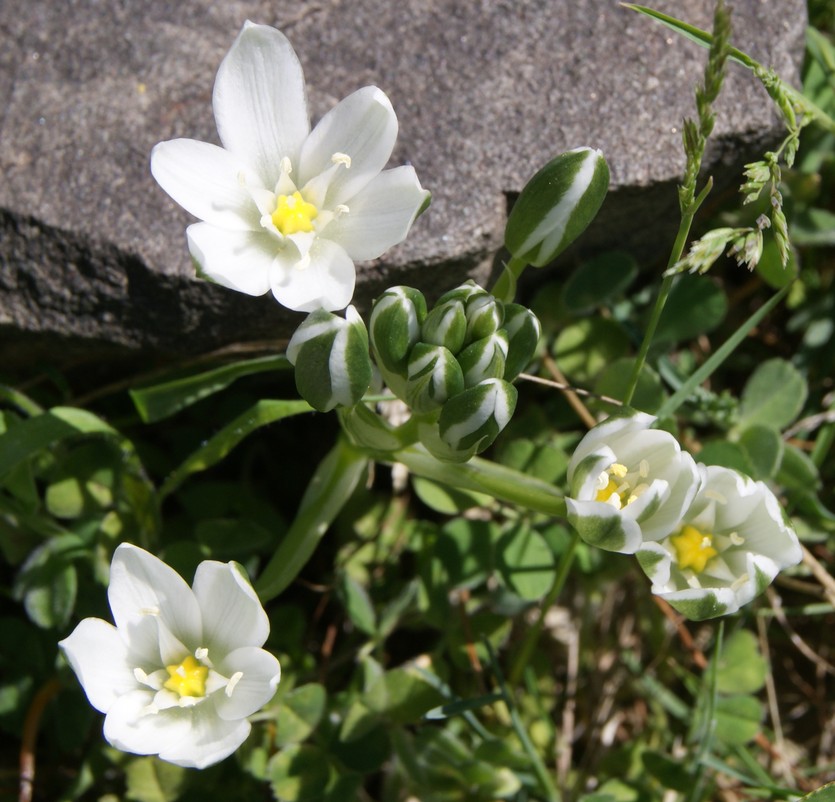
(331, 358)
(523, 331)
(484, 316)
(446, 325)
(474, 418)
(556, 205)
(434, 377)
(484, 359)
(395, 324)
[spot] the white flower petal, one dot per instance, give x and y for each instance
(130, 727)
(208, 182)
(99, 658)
(607, 434)
(259, 101)
(232, 614)
(142, 585)
(326, 281)
(380, 215)
(240, 260)
(256, 673)
(363, 126)
(209, 739)
(601, 525)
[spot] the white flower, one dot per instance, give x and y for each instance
(628, 484)
(285, 208)
(728, 548)
(183, 668)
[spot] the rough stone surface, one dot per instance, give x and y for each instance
(92, 252)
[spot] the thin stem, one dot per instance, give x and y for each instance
(30, 737)
(532, 635)
(505, 287)
(551, 793)
(481, 476)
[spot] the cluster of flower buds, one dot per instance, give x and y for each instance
(453, 366)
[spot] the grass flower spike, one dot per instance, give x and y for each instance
(728, 548)
(628, 484)
(285, 208)
(183, 667)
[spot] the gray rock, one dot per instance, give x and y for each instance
(93, 253)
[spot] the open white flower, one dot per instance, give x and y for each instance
(285, 208)
(183, 668)
(728, 548)
(628, 484)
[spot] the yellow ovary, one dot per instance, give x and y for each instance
(293, 214)
(188, 678)
(694, 549)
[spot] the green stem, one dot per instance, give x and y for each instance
(329, 489)
(666, 285)
(481, 476)
(551, 792)
(532, 635)
(505, 287)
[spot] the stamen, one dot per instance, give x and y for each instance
(233, 681)
(340, 210)
(715, 495)
(149, 610)
(738, 583)
(616, 469)
(303, 263)
(643, 469)
(341, 158)
(202, 653)
(286, 166)
(736, 539)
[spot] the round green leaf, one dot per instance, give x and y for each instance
(741, 668)
(614, 380)
(299, 773)
(764, 448)
(598, 280)
(584, 348)
(525, 562)
(695, 306)
(773, 396)
(301, 710)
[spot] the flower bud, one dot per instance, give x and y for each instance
(556, 205)
(484, 316)
(474, 418)
(395, 324)
(484, 359)
(434, 376)
(461, 293)
(446, 325)
(523, 331)
(331, 358)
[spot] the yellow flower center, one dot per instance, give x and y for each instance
(187, 678)
(615, 487)
(693, 548)
(293, 214)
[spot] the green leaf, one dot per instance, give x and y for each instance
(737, 719)
(595, 282)
(358, 605)
(447, 500)
(329, 489)
(764, 448)
(770, 267)
(402, 695)
(299, 773)
(826, 793)
(773, 395)
(525, 562)
(42, 431)
(614, 381)
(797, 471)
(163, 400)
(741, 669)
(260, 414)
(671, 773)
(696, 305)
(584, 348)
(465, 549)
(299, 713)
(47, 583)
(152, 780)
(462, 706)
(726, 454)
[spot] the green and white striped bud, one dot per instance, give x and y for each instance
(331, 358)
(474, 418)
(556, 205)
(484, 359)
(523, 332)
(434, 376)
(484, 316)
(396, 319)
(461, 293)
(446, 325)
